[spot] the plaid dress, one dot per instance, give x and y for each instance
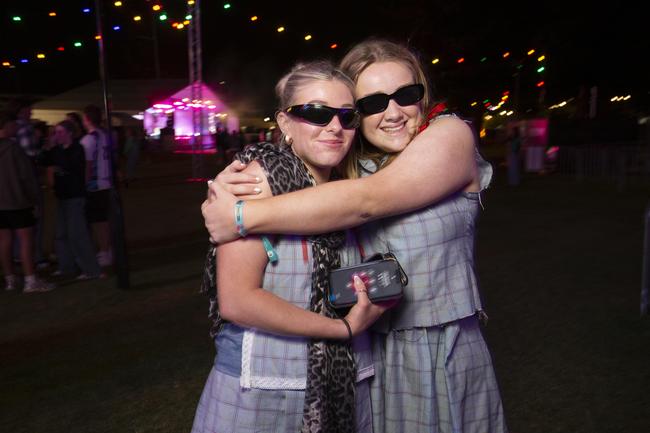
(433, 370)
(269, 394)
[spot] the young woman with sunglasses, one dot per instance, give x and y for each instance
(284, 361)
(423, 178)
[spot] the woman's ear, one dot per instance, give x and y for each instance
(283, 122)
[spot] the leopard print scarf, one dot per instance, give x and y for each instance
(331, 371)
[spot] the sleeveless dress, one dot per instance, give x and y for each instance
(433, 369)
(258, 380)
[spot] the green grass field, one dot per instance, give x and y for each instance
(559, 264)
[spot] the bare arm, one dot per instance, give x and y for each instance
(437, 163)
(241, 265)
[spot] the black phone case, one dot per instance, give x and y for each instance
(383, 278)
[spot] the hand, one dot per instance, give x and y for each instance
(364, 313)
(235, 182)
(218, 214)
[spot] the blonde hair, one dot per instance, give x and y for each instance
(353, 64)
(301, 75)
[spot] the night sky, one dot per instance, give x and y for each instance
(584, 45)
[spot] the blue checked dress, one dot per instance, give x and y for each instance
(268, 395)
(433, 371)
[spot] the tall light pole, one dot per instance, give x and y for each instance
(116, 216)
(195, 54)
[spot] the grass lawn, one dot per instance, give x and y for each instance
(560, 269)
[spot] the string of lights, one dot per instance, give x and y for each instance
(167, 13)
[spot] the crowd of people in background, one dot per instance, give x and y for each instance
(75, 158)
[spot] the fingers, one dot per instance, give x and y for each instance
(234, 166)
(358, 284)
(232, 174)
(362, 292)
(215, 188)
(236, 178)
(242, 189)
(203, 206)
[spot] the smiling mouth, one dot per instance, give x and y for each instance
(332, 143)
(394, 129)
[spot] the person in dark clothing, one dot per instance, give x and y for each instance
(76, 120)
(66, 171)
(18, 201)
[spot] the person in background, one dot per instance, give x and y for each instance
(77, 121)
(30, 141)
(18, 199)
(99, 181)
(66, 166)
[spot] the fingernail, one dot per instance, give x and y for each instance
(357, 279)
(241, 164)
(257, 190)
(257, 179)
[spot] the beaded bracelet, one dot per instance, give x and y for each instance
(239, 218)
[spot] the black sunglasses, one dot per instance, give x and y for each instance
(322, 115)
(407, 95)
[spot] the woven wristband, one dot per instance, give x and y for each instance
(239, 218)
(347, 325)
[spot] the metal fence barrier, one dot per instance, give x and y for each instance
(614, 161)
